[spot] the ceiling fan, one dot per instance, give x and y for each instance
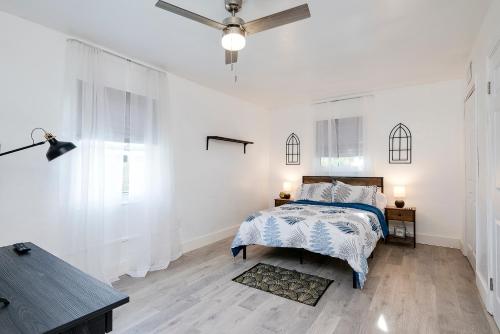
(235, 29)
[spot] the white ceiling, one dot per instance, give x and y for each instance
(347, 46)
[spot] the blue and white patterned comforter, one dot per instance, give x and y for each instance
(346, 231)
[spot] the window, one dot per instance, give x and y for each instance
(125, 163)
(339, 145)
(124, 140)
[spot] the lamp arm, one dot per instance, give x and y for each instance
(22, 148)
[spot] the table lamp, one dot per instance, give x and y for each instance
(399, 195)
(287, 187)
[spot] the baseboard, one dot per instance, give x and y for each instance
(462, 247)
(208, 239)
(471, 257)
(436, 240)
(484, 291)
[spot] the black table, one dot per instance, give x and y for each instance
(47, 295)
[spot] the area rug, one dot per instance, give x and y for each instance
(303, 288)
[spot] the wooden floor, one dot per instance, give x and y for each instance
(424, 290)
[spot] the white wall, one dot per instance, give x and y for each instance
(488, 37)
(31, 82)
(218, 188)
(215, 189)
(435, 179)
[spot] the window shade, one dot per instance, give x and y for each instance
(339, 138)
(126, 119)
(349, 136)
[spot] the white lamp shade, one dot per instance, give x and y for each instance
(233, 39)
(399, 191)
(287, 186)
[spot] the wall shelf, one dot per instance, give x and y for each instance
(244, 142)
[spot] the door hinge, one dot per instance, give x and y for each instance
(489, 87)
(491, 284)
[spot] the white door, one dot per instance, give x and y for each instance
(495, 109)
(471, 170)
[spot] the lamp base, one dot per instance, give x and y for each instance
(284, 195)
(399, 204)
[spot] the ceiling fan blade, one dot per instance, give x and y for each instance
(231, 57)
(190, 15)
(278, 19)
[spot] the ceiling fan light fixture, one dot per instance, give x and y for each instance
(233, 39)
(235, 29)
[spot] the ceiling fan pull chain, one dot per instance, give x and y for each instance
(235, 74)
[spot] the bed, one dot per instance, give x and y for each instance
(348, 231)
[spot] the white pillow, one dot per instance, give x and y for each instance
(345, 193)
(381, 201)
(318, 192)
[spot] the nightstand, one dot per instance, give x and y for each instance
(402, 215)
(281, 201)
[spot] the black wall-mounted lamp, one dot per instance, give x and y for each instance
(56, 148)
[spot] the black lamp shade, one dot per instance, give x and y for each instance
(58, 148)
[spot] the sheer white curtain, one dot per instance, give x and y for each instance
(117, 188)
(340, 131)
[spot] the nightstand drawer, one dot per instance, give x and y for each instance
(404, 215)
(281, 201)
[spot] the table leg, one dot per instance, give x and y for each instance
(108, 321)
(415, 233)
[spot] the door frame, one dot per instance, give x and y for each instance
(491, 222)
(471, 92)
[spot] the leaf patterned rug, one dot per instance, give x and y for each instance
(303, 288)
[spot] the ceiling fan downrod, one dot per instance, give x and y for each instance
(233, 6)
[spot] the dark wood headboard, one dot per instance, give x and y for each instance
(352, 180)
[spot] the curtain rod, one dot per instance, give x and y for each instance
(339, 99)
(116, 55)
